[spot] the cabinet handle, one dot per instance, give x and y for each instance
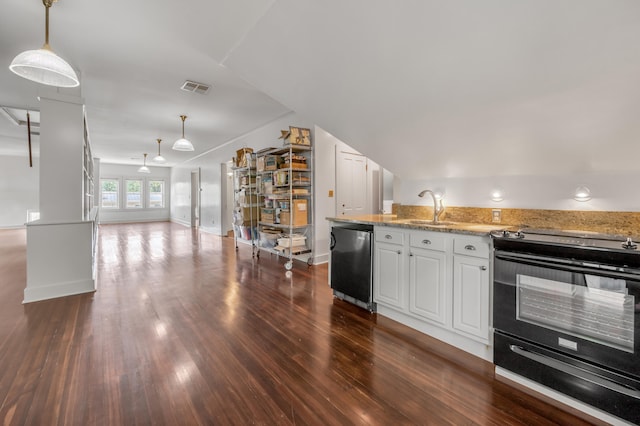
(388, 237)
(426, 242)
(399, 251)
(483, 268)
(410, 254)
(469, 247)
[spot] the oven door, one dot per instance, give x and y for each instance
(583, 310)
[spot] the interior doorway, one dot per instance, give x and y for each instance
(195, 198)
(226, 174)
(351, 184)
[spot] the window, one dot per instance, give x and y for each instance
(134, 194)
(109, 193)
(156, 194)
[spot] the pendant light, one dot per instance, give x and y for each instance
(43, 65)
(183, 144)
(144, 168)
(159, 158)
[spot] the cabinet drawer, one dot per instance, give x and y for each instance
(428, 240)
(471, 247)
(389, 236)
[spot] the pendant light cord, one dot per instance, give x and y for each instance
(160, 140)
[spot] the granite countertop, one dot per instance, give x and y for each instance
(421, 224)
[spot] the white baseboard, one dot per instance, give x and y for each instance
(53, 291)
(110, 222)
(180, 222)
(474, 347)
(320, 259)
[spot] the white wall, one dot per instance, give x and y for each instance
(610, 192)
(209, 164)
(122, 215)
(19, 189)
(326, 146)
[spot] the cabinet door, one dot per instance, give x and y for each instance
(471, 296)
(427, 278)
(389, 275)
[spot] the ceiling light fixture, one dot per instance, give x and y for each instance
(159, 158)
(183, 144)
(43, 65)
(144, 168)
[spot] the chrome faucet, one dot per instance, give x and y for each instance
(438, 208)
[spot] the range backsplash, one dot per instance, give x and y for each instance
(617, 223)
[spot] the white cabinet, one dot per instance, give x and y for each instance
(436, 282)
(389, 268)
(471, 296)
(428, 276)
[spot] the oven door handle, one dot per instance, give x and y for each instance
(570, 265)
(576, 372)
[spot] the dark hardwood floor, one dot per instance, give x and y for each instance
(184, 330)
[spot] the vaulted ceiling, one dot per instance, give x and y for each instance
(423, 87)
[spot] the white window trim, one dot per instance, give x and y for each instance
(164, 193)
(125, 193)
(119, 198)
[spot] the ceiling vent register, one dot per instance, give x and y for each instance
(192, 86)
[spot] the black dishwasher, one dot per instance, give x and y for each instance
(351, 267)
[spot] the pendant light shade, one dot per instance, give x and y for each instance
(159, 158)
(144, 168)
(182, 144)
(43, 65)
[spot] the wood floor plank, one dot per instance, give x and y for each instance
(185, 329)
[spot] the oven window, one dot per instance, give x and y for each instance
(602, 311)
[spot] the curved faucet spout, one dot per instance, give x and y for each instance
(438, 208)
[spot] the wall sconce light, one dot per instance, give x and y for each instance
(582, 194)
(497, 195)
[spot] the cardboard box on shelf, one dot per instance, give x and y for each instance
(272, 162)
(268, 216)
(243, 157)
(250, 199)
(293, 240)
(244, 215)
(296, 136)
(300, 214)
(247, 180)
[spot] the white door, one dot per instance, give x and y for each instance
(227, 197)
(351, 184)
(195, 198)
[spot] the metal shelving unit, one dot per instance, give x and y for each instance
(246, 212)
(285, 179)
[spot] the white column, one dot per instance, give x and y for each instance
(61, 158)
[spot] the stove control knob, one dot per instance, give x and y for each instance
(519, 234)
(506, 234)
(629, 244)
